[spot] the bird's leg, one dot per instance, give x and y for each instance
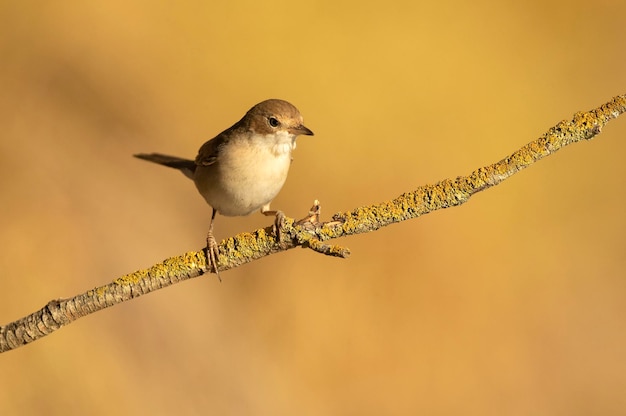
(278, 221)
(211, 248)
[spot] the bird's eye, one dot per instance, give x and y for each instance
(273, 121)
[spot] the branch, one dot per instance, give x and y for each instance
(309, 232)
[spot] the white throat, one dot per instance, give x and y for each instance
(282, 143)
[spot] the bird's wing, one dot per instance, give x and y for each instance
(209, 151)
(207, 155)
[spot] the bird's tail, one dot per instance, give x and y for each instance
(186, 166)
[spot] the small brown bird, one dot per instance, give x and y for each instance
(243, 168)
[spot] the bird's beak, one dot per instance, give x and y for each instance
(298, 130)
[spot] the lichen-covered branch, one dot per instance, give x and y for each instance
(309, 232)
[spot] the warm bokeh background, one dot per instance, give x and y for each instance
(513, 304)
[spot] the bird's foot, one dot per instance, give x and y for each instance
(279, 221)
(212, 252)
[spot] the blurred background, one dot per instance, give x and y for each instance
(514, 303)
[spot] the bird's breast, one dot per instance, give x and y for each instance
(246, 176)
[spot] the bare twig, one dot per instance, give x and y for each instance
(309, 232)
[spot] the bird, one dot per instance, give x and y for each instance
(242, 169)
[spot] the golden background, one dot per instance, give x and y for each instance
(513, 304)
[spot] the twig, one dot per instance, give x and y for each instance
(309, 232)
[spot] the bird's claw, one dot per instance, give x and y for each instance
(212, 252)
